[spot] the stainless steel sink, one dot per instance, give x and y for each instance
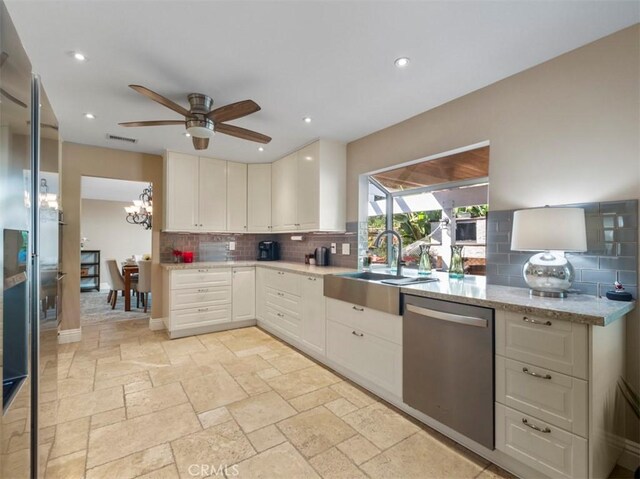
(369, 276)
(364, 289)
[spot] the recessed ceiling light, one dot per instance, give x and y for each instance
(306, 119)
(401, 62)
(187, 134)
(260, 148)
(79, 56)
(89, 116)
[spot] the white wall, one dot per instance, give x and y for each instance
(104, 224)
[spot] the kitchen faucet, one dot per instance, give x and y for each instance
(376, 244)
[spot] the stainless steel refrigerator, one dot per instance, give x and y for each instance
(29, 259)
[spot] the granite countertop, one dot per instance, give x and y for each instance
(278, 265)
(580, 308)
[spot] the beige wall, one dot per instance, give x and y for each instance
(565, 131)
(81, 160)
(103, 224)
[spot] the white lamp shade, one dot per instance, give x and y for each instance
(544, 229)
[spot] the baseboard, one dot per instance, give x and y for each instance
(69, 336)
(156, 324)
(630, 458)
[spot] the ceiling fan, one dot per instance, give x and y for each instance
(201, 121)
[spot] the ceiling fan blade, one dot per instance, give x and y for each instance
(200, 143)
(152, 123)
(12, 98)
(160, 99)
(233, 111)
(241, 133)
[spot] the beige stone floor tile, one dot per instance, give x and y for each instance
(340, 407)
(266, 438)
(258, 350)
(18, 442)
(121, 439)
(72, 386)
(212, 391)
(249, 364)
(252, 384)
(209, 361)
(93, 353)
(167, 472)
(421, 457)
(108, 417)
(89, 404)
(172, 373)
(67, 467)
(71, 437)
(111, 369)
(224, 444)
(259, 411)
(282, 461)
(293, 361)
(137, 350)
(123, 380)
(268, 373)
(48, 414)
(270, 354)
(182, 346)
(314, 399)
(155, 399)
(381, 425)
(134, 465)
(358, 449)
(214, 417)
(138, 386)
(315, 431)
(14, 464)
(239, 344)
(495, 472)
(46, 434)
(333, 464)
(82, 369)
(301, 382)
(353, 394)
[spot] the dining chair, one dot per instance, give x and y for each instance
(143, 287)
(116, 281)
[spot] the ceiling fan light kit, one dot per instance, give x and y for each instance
(200, 121)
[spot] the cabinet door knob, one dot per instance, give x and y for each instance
(360, 335)
(358, 309)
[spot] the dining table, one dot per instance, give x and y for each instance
(127, 271)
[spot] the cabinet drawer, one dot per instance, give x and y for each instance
(374, 359)
(289, 325)
(551, 396)
(284, 302)
(284, 281)
(200, 297)
(200, 278)
(194, 317)
(553, 344)
(555, 452)
(384, 325)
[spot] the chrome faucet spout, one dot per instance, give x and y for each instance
(376, 244)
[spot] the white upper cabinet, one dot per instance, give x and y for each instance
(309, 189)
(237, 197)
(181, 192)
(213, 194)
(259, 198)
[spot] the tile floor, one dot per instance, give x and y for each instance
(230, 404)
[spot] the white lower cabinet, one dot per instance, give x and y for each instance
(244, 293)
(367, 342)
(313, 314)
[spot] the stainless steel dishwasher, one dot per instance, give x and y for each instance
(448, 365)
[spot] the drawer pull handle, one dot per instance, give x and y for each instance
(533, 321)
(203, 291)
(358, 309)
(280, 294)
(202, 310)
(203, 271)
(546, 430)
(536, 375)
(280, 272)
(360, 335)
(280, 315)
(311, 279)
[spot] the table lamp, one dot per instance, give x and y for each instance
(552, 231)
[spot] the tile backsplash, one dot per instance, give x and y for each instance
(612, 255)
(215, 247)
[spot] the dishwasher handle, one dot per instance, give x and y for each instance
(454, 318)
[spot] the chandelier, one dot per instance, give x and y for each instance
(141, 211)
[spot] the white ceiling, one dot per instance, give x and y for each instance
(108, 189)
(332, 60)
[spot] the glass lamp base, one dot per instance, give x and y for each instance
(548, 274)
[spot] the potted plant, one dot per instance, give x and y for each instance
(633, 399)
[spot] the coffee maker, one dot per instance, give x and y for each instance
(268, 251)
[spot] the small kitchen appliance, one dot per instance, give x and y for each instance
(322, 256)
(268, 251)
